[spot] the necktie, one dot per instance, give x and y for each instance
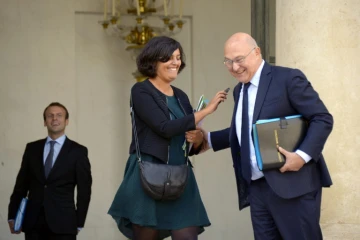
(245, 138)
(49, 159)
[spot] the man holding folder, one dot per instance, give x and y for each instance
(50, 170)
(284, 203)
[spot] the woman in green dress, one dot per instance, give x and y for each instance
(164, 119)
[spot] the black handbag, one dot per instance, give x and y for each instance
(160, 181)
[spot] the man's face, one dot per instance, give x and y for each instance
(55, 120)
(242, 60)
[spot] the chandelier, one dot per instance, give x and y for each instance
(137, 21)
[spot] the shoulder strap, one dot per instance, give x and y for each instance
(138, 155)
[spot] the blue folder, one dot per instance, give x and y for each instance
(20, 215)
(259, 159)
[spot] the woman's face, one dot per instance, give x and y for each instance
(168, 70)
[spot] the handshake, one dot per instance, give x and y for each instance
(199, 139)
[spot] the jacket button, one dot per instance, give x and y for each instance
(45, 186)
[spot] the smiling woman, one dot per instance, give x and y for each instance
(165, 125)
(161, 51)
(168, 71)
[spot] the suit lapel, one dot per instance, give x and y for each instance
(237, 90)
(61, 158)
(265, 79)
(39, 160)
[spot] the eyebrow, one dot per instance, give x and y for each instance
(234, 57)
(50, 114)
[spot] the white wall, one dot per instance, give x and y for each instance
(52, 52)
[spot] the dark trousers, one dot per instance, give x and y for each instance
(41, 231)
(275, 218)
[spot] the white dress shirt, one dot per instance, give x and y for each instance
(59, 142)
(252, 92)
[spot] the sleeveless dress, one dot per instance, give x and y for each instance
(132, 205)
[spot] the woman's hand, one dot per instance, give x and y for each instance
(195, 136)
(211, 107)
(217, 99)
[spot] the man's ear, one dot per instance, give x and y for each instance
(258, 51)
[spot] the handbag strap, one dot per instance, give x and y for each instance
(138, 155)
(137, 146)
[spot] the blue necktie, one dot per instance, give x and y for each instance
(49, 159)
(245, 138)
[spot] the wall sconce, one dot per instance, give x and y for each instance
(131, 22)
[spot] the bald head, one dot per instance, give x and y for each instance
(242, 56)
(241, 39)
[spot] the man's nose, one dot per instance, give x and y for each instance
(235, 67)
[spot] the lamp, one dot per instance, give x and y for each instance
(137, 21)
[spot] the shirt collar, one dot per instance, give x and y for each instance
(59, 140)
(256, 78)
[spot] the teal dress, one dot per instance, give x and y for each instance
(132, 205)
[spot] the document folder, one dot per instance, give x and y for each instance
(269, 134)
(20, 215)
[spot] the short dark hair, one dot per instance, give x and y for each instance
(158, 49)
(57, 104)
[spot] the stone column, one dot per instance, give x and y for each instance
(263, 27)
(322, 38)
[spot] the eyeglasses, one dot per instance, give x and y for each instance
(229, 63)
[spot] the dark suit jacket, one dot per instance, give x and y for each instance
(56, 193)
(284, 92)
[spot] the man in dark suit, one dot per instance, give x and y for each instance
(284, 203)
(49, 172)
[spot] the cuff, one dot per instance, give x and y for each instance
(209, 140)
(303, 155)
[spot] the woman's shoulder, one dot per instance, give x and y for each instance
(139, 86)
(145, 91)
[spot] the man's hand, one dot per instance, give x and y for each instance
(205, 133)
(11, 226)
(205, 145)
(293, 161)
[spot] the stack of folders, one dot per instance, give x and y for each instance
(268, 135)
(20, 215)
(201, 105)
